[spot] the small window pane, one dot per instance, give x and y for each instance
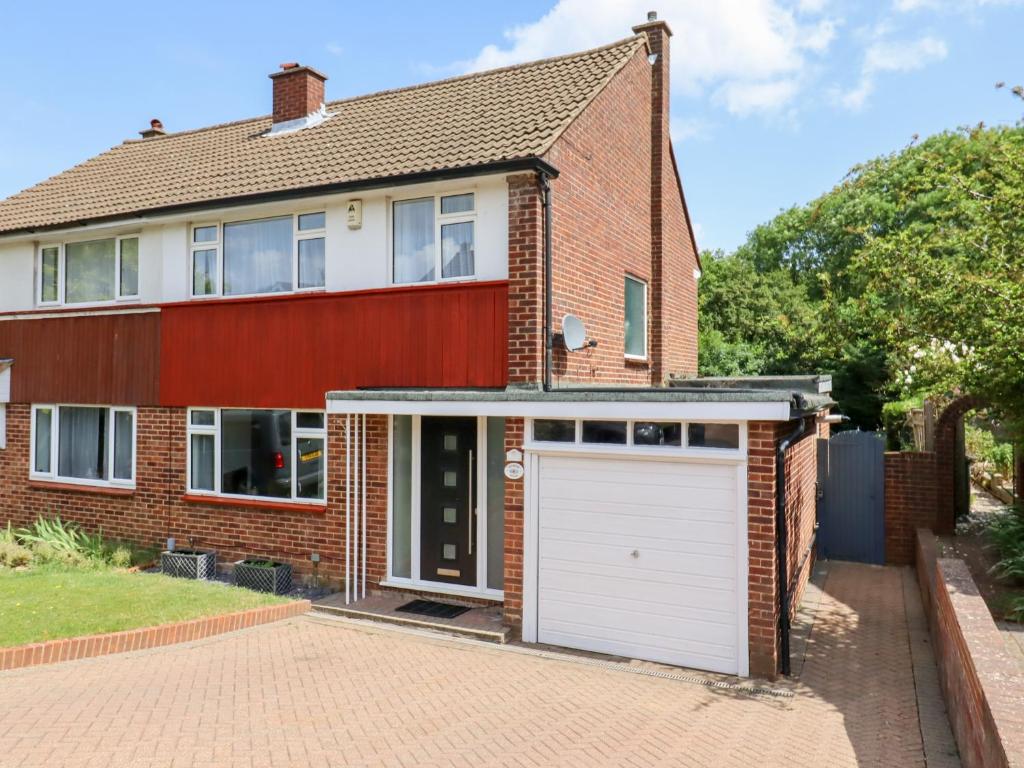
(203, 418)
(450, 479)
(204, 234)
(608, 432)
(44, 424)
(713, 436)
(49, 273)
(401, 489)
(451, 515)
(309, 459)
(82, 443)
(258, 256)
(204, 273)
(554, 430)
(312, 221)
(256, 452)
(89, 271)
(202, 463)
(657, 433)
(457, 251)
(451, 442)
(414, 240)
(129, 285)
(457, 203)
(311, 263)
(309, 420)
(636, 318)
(123, 448)
(449, 551)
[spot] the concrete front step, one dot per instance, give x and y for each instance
(499, 636)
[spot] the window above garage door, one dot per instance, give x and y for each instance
(709, 439)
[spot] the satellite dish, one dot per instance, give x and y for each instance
(574, 333)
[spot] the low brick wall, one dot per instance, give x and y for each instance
(982, 684)
(909, 502)
(72, 648)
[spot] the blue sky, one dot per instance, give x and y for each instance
(772, 100)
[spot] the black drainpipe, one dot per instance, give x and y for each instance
(782, 539)
(549, 334)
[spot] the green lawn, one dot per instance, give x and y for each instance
(47, 603)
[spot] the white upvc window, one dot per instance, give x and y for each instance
(635, 311)
(259, 454)
(84, 444)
(279, 254)
(694, 438)
(433, 238)
(100, 271)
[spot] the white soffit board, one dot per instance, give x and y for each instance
(718, 411)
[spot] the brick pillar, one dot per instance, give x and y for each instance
(525, 280)
(762, 584)
(658, 34)
(513, 585)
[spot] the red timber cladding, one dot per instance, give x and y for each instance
(601, 228)
(289, 351)
(104, 359)
(801, 477)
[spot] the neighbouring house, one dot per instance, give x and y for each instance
(338, 331)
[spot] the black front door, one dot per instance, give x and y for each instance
(448, 500)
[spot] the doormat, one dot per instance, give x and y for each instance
(433, 609)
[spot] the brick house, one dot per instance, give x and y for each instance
(444, 337)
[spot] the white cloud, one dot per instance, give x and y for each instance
(687, 128)
(334, 49)
(909, 6)
(890, 56)
(752, 55)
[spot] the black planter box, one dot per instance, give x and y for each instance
(189, 564)
(275, 577)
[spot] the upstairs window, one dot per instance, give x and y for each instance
(245, 258)
(89, 271)
(636, 318)
(434, 238)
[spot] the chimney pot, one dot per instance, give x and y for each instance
(290, 65)
(652, 15)
(156, 128)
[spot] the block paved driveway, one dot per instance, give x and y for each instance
(318, 692)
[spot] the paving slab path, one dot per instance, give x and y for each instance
(324, 692)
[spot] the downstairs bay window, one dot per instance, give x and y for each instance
(88, 445)
(260, 454)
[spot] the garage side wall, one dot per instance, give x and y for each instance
(801, 500)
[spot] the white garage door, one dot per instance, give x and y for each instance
(639, 559)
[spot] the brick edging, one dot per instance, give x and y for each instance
(72, 648)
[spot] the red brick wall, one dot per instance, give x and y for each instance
(910, 502)
(156, 508)
(525, 280)
(513, 587)
(801, 502)
(980, 681)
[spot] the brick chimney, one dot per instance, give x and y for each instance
(298, 92)
(662, 173)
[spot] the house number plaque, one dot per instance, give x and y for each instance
(513, 471)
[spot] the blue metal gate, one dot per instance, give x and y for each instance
(852, 512)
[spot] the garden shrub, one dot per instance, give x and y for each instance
(1006, 533)
(52, 541)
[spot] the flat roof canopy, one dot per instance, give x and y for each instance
(709, 403)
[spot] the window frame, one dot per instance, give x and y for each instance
(215, 430)
(218, 246)
(625, 311)
(54, 474)
(440, 219)
(61, 246)
(684, 449)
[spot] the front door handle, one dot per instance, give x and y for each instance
(469, 505)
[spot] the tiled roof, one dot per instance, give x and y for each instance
(500, 115)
